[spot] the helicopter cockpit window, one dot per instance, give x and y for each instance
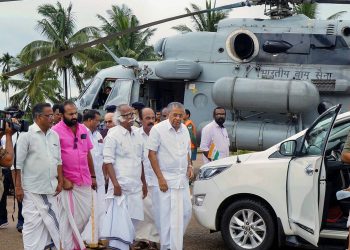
(121, 93)
(90, 93)
(104, 92)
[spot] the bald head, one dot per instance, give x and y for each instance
(109, 120)
(148, 119)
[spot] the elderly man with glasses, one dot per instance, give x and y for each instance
(78, 177)
(123, 155)
(169, 154)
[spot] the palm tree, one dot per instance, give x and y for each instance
(132, 45)
(58, 26)
(203, 22)
(38, 85)
(310, 10)
(6, 61)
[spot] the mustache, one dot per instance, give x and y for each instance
(150, 124)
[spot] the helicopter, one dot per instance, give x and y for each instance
(273, 76)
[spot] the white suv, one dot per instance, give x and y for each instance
(285, 194)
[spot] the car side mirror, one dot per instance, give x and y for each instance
(288, 148)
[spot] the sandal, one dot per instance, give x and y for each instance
(139, 245)
(152, 246)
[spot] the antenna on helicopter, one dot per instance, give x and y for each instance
(124, 61)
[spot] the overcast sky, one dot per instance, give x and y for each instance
(18, 19)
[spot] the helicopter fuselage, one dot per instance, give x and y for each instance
(274, 76)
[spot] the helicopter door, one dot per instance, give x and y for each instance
(121, 93)
(304, 185)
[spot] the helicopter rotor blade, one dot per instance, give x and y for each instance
(68, 52)
(333, 1)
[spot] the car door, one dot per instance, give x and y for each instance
(303, 179)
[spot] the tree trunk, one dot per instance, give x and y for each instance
(65, 83)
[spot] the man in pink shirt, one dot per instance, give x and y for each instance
(79, 177)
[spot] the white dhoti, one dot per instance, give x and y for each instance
(41, 225)
(118, 227)
(75, 211)
(146, 229)
(93, 229)
(174, 211)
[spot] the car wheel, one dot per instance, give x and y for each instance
(248, 224)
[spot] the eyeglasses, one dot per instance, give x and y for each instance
(48, 116)
(75, 143)
(128, 115)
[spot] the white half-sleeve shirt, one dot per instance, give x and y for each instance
(172, 149)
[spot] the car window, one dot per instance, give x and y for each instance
(339, 132)
(315, 139)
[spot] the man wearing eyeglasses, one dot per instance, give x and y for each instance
(109, 123)
(169, 153)
(39, 179)
(78, 177)
(123, 155)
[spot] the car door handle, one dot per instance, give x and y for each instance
(309, 170)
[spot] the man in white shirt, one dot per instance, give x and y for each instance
(214, 140)
(39, 179)
(146, 231)
(91, 120)
(122, 156)
(169, 146)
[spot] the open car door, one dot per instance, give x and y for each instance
(303, 180)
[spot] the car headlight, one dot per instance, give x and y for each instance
(209, 172)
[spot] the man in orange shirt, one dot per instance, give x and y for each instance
(192, 130)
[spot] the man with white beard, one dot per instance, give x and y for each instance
(146, 231)
(123, 155)
(169, 146)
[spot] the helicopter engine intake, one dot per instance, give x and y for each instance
(266, 95)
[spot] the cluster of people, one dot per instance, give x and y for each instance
(80, 187)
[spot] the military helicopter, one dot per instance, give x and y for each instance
(274, 76)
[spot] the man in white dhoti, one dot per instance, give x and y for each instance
(78, 177)
(92, 231)
(146, 231)
(169, 146)
(39, 179)
(123, 153)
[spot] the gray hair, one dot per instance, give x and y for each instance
(117, 118)
(173, 105)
